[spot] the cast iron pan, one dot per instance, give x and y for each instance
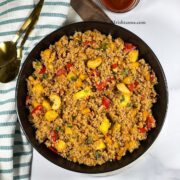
(159, 109)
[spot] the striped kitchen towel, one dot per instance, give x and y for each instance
(15, 151)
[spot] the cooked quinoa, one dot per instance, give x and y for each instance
(90, 98)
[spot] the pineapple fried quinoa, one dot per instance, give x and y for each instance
(90, 98)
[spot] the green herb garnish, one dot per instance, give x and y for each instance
(45, 76)
(103, 46)
(122, 98)
(89, 140)
(58, 129)
(129, 105)
(97, 154)
(73, 78)
(125, 72)
(69, 125)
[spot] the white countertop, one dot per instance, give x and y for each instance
(162, 33)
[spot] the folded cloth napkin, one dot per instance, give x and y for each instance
(15, 151)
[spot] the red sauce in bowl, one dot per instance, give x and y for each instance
(120, 5)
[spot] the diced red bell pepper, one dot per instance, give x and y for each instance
(69, 66)
(129, 47)
(60, 72)
(54, 135)
(43, 70)
(131, 86)
(150, 121)
(88, 42)
(101, 86)
(114, 66)
(106, 102)
(27, 100)
(152, 77)
(52, 149)
(37, 108)
(142, 130)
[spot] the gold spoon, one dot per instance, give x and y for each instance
(10, 55)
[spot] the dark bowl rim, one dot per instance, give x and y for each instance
(164, 79)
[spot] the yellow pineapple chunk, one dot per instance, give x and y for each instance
(93, 64)
(45, 55)
(51, 115)
(86, 111)
(78, 83)
(104, 126)
(55, 99)
(124, 100)
(134, 65)
(83, 93)
(49, 66)
(122, 88)
(147, 76)
(35, 103)
(38, 89)
(100, 145)
(127, 80)
(133, 55)
(60, 145)
(132, 145)
(82, 76)
(46, 105)
(68, 131)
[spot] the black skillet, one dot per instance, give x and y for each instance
(159, 109)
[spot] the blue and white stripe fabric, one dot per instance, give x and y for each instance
(15, 151)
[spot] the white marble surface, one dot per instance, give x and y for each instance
(162, 33)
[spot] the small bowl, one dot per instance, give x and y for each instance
(159, 109)
(116, 9)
